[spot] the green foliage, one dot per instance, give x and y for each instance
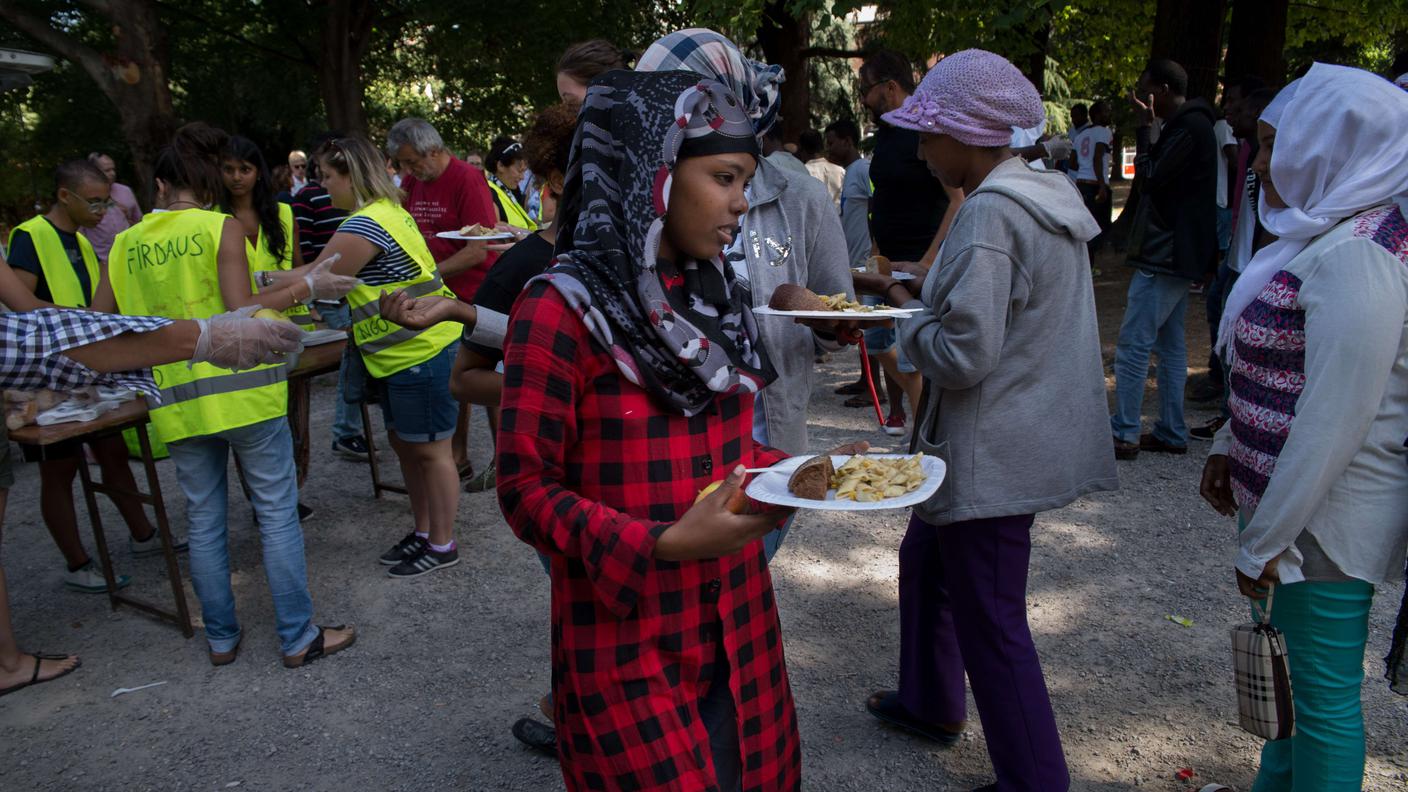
(478, 68)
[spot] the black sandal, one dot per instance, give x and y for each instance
(317, 650)
(885, 705)
(39, 658)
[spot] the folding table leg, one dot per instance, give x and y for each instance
(104, 559)
(371, 449)
(173, 568)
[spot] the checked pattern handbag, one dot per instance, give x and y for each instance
(1264, 704)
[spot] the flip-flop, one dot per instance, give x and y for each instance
(34, 679)
(856, 402)
(316, 649)
(885, 705)
(851, 389)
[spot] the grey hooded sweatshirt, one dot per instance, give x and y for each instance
(1007, 337)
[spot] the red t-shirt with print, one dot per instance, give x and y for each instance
(460, 197)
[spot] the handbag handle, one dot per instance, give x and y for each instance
(1264, 614)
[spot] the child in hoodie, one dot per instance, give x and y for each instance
(1007, 338)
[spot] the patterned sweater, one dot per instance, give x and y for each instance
(1319, 402)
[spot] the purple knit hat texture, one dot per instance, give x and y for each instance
(973, 96)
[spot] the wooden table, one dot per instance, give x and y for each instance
(131, 415)
(315, 360)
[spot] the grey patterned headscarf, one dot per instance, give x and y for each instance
(703, 51)
(682, 331)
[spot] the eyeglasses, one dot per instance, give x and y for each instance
(100, 206)
(300, 166)
(512, 147)
(866, 89)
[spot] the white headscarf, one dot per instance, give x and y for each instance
(1339, 151)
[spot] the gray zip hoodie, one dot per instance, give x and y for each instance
(1008, 339)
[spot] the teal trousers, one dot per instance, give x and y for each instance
(1326, 627)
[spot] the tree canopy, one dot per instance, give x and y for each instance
(280, 72)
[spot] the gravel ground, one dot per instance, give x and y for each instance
(445, 664)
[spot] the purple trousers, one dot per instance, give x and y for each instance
(963, 607)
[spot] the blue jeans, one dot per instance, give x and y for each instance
(265, 452)
(1153, 322)
(347, 418)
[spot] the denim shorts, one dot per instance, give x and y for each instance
(416, 402)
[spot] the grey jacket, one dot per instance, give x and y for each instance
(792, 234)
(1008, 340)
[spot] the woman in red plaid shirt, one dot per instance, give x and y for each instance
(629, 374)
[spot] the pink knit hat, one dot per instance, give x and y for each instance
(974, 96)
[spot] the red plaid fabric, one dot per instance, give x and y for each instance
(591, 472)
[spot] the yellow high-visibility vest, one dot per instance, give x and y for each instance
(261, 259)
(166, 265)
(514, 214)
(65, 289)
(387, 347)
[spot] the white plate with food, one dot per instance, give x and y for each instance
(862, 482)
(899, 276)
(875, 314)
(475, 237)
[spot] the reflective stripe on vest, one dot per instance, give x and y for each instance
(262, 260)
(386, 347)
(223, 383)
(167, 265)
(65, 289)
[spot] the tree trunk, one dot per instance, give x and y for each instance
(1189, 32)
(133, 76)
(1256, 43)
(347, 33)
(783, 36)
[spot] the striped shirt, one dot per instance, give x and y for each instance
(392, 265)
(317, 219)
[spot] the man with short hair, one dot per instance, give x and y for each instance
(1173, 241)
(298, 168)
(1092, 174)
(812, 152)
(124, 214)
(443, 193)
(57, 265)
(909, 213)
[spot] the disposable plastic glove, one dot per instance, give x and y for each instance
(236, 340)
(324, 284)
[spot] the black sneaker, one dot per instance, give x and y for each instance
(351, 448)
(426, 560)
(408, 547)
(304, 512)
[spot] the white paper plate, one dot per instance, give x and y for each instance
(325, 335)
(480, 238)
(900, 276)
(864, 316)
(772, 487)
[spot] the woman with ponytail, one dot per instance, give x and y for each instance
(191, 262)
